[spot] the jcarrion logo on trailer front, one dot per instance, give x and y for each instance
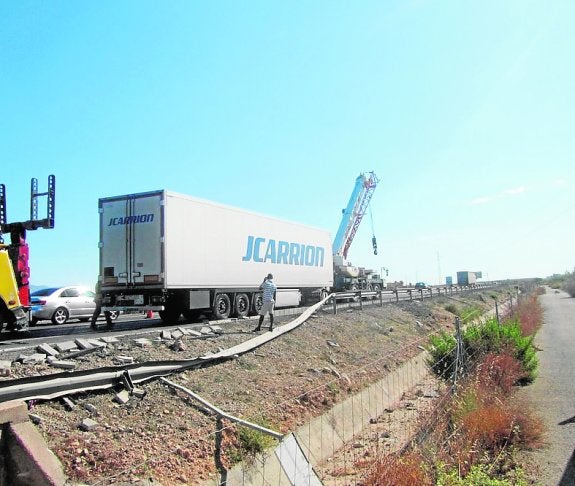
(140, 218)
(262, 250)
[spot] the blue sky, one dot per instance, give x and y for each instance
(464, 109)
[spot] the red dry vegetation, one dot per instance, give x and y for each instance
(498, 372)
(400, 470)
(530, 314)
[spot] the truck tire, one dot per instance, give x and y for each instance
(60, 316)
(242, 305)
(257, 303)
(222, 307)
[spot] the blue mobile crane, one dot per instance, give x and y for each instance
(347, 276)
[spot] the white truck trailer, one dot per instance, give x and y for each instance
(176, 254)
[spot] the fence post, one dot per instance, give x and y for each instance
(458, 350)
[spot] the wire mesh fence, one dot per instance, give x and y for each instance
(400, 409)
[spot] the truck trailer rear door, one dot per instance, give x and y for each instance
(131, 239)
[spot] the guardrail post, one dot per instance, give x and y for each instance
(431, 293)
(334, 301)
(421, 294)
(396, 295)
(410, 294)
(380, 298)
(360, 301)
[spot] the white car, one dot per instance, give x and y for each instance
(63, 303)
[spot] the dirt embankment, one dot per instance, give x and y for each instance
(166, 437)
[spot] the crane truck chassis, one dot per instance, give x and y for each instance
(14, 269)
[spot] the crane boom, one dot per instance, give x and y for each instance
(365, 185)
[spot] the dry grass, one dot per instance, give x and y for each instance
(401, 470)
(530, 315)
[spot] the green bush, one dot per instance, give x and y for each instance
(477, 476)
(478, 340)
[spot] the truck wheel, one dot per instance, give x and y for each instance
(242, 306)
(222, 307)
(60, 316)
(257, 303)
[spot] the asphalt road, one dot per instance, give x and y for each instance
(552, 395)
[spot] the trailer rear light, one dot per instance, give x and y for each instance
(151, 278)
(110, 280)
(156, 300)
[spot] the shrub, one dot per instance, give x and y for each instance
(477, 476)
(479, 341)
(569, 286)
(400, 470)
(452, 308)
(499, 372)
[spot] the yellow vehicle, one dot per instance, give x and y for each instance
(12, 313)
(14, 269)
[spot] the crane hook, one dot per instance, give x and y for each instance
(374, 243)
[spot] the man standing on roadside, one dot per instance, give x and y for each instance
(98, 309)
(269, 295)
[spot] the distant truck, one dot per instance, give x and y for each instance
(466, 278)
(175, 254)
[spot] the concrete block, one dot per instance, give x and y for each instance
(98, 343)
(142, 342)
(47, 350)
(176, 334)
(83, 343)
(216, 329)
(34, 358)
(122, 397)
(14, 411)
(205, 330)
(109, 339)
(5, 367)
(35, 419)
(166, 335)
(139, 393)
(68, 403)
(192, 332)
(66, 346)
(88, 424)
(29, 456)
(124, 360)
(66, 365)
(90, 408)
